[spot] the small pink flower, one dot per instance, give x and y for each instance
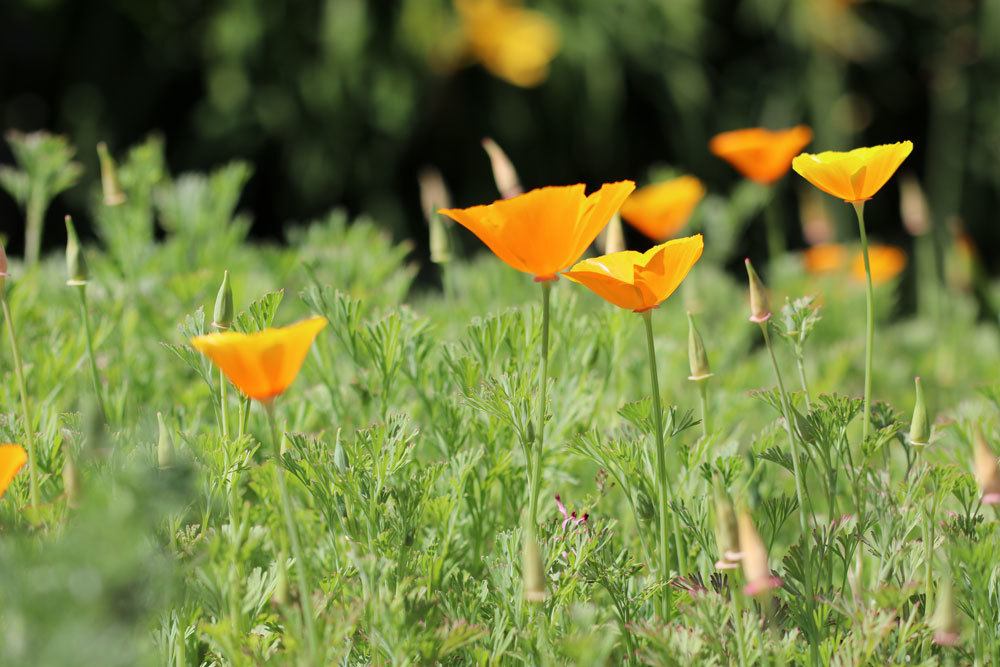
(762, 585)
(569, 517)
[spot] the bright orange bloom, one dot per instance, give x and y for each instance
(513, 43)
(262, 365)
(824, 258)
(886, 261)
(660, 210)
(854, 176)
(639, 281)
(761, 155)
(543, 231)
(12, 459)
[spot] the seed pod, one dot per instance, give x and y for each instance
(945, 619)
(112, 189)
(697, 357)
(164, 445)
(504, 173)
(532, 569)
(76, 266)
(222, 317)
(760, 308)
(71, 482)
(986, 470)
(920, 427)
(727, 536)
(756, 567)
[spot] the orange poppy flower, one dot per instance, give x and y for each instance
(639, 281)
(761, 155)
(886, 261)
(660, 210)
(262, 365)
(12, 459)
(543, 231)
(825, 258)
(513, 43)
(854, 176)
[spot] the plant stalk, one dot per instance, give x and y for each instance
(535, 468)
(81, 290)
(859, 209)
(22, 385)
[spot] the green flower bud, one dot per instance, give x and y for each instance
(76, 266)
(71, 482)
(945, 619)
(697, 357)
(532, 570)
(434, 196)
(164, 445)
(760, 308)
(113, 195)
(920, 427)
(222, 318)
(726, 529)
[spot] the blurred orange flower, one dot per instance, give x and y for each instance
(660, 210)
(12, 459)
(854, 176)
(639, 281)
(887, 262)
(759, 154)
(825, 258)
(545, 230)
(264, 364)
(513, 43)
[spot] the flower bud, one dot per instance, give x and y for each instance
(986, 471)
(222, 317)
(760, 308)
(614, 235)
(434, 196)
(503, 170)
(697, 357)
(280, 596)
(71, 482)
(856, 577)
(727, 536)
(756, 568)
(164, 445)
(113, 195)
(945, 619)
(76, 266)
(532, 569)
(920, 427)
(913, 208)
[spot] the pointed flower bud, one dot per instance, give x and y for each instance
(756, 568)
(920, 426)
(503, 170)
(614, 235)
(433, 197)
(76, 266)
(697, 357)
(945, 619)
(913, 206)
(164, 445)
(113, 195)
(222, 317)
(986, 470)
(727, 536)
(532, 569)
(71, 482)
(760, 308)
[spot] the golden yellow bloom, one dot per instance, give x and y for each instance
(660, 210)
(543, 231)
(886, 261)
(825, 258)
(759, 154)
(856, 175)
(639, 281)
(262, 365)
(513, 43)
(12, 459)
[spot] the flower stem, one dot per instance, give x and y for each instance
(34, 218)
(222, 405)
(305, 592)
(535, 468)
(81, 290)
(738, 618)
(22, 385)
(800, 364)
(859, 209)
(703, 392)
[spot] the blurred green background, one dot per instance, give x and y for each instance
(340, 103)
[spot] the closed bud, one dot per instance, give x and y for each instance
(756, 567)
(222, 316)
(504, 173)
(532, 569)
(433, 197)
(945, 619)
(164, 444)
(614, 235)
(920, 427)
(760, 308)
(985, 468)
(71, 482)
(697, 357)
(76, 266)
(913, 208)
(112, 189)
(727, 536)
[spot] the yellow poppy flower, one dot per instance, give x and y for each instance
(639, 281)
(543, 231)
(262, 365)
(759, 154)
(824, 258)
(513, 43)
(886, 261)
(660, 210)
(12, 459)
(854, 176)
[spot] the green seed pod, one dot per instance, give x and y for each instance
(165, 444)
(697, 357)
(760, 308)
(71, 482)
(112, 189)
(222, 318)
(920, 427)
(76, 266)
(532, 569)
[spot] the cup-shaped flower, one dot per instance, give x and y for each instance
(12, 459)
(543, 231)
(262, 365)
(825, 258)
(639, 281)
(886, 262)
(759, 154)
(854, 176)
(660, 210)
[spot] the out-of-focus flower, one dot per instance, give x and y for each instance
(262, 365)
(661, 210)
(12, 459)
(886, 261)
(817, 227)
(913, 207)
(756, 567)
(985, 466)
(759, 154)
(639, 281)
(854, 176)
(513, 43)
(824, 258)
(545, 230)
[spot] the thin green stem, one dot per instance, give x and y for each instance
(734, 592)
(22, 385)
(859, 209)
(772, 222)
(800, 365)
(34, 218)
(222, 405)
(305, 592)
(703, 393)
(81, 290)
(535, 468)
